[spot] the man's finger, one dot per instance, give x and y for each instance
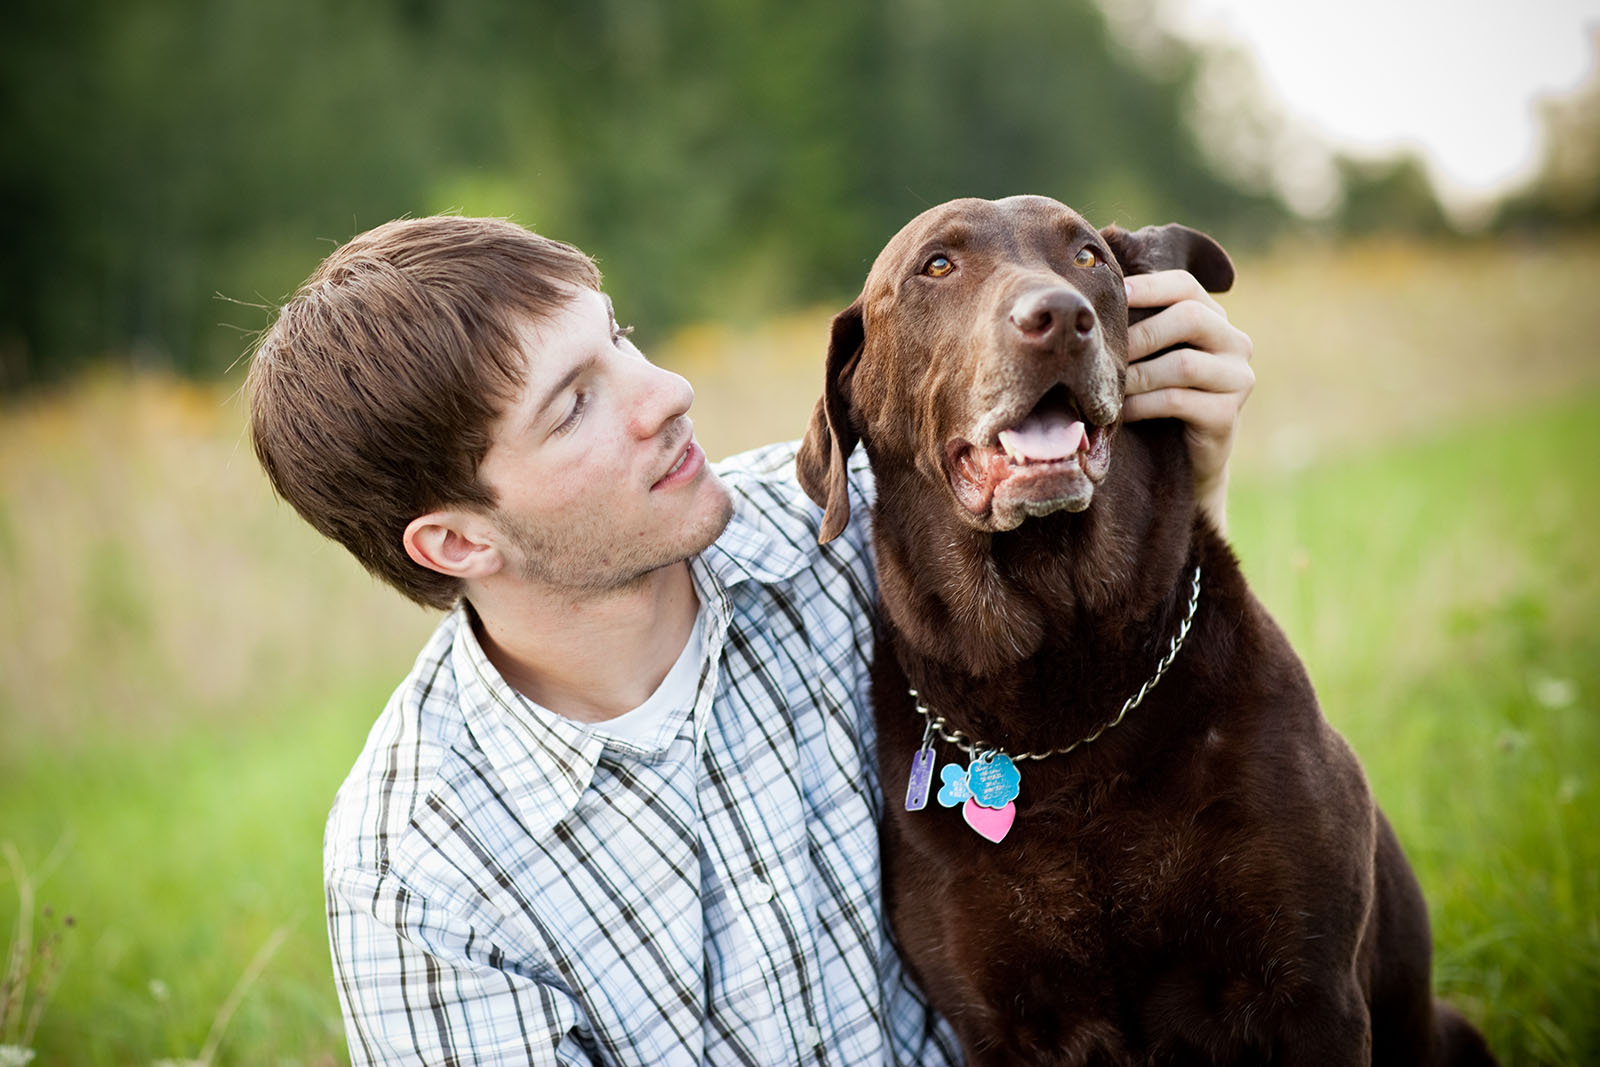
(1188, 368)
(1189, 322)
(1168, 287)
(1210, 415)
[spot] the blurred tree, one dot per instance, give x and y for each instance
(720, 158)
(165, 150)
(1566, 191)
(1388, 196)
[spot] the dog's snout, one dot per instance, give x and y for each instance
(1046, 315)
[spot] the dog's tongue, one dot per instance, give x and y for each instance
(1044, 436)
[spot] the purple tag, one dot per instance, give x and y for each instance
(921, 776)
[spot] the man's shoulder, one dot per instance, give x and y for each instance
(769, 500)
(401, 762)
(775, 464)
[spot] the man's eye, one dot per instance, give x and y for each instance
(580, 401)
(938, 267)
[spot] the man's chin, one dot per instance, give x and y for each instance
(699, 533)
(597, 559)
(719, 512)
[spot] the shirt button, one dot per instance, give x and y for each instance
(811, 1037)
(758, 893)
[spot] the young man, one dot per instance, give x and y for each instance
(624, 809)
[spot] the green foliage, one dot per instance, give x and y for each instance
(1392, 196)
(720, 158)
(31, 965)
(1566, 192)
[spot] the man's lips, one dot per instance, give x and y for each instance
(688, 464)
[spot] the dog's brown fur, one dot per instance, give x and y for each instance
(1210, 881)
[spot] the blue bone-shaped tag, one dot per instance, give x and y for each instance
(956, 790)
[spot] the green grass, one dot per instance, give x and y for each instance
(182, 859)
(1444, 596)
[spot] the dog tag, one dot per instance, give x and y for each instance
(994, 780)
(991, 823)
(956, 791)
(921, 779)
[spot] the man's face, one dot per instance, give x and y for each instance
(594, 465)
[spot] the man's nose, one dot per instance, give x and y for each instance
(660, 397)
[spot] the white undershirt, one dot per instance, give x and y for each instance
(639, 725)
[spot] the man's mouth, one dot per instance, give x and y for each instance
(685, 467)
(1049, 460)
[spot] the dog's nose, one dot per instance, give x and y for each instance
(1046, 315)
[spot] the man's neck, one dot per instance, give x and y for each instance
(589, 656)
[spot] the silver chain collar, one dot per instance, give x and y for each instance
(937, 724)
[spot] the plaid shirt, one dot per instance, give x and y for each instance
(508, 886)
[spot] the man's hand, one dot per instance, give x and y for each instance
(1205, 382)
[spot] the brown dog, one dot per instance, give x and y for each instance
(1207, 882)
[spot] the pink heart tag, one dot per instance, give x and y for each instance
(992, 823)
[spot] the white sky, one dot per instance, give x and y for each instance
(1457, 81)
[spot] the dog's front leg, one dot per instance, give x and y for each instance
(1335, 1030)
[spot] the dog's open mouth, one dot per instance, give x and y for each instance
(1049, 460)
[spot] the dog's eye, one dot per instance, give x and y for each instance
(1086, 257)
(938, 267)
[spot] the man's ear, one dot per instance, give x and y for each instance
(821, 462)
(1171, 247)
(457, 544)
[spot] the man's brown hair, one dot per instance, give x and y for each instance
(373, 395)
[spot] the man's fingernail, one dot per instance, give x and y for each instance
(1127, 288)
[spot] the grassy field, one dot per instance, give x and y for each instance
(186, 674)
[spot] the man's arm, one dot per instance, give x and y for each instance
(420, 986)
(1205, 382)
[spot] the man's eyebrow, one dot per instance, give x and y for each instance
(574, 372)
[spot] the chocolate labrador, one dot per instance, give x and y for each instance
(1163, 853)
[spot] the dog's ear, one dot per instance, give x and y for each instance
(1171, 247)
(830, 438)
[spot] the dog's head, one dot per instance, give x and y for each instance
(988, 352)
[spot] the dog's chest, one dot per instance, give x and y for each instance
(1094, 873)
(1088, 887)
(1059, 934)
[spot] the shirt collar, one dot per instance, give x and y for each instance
(754, 548)
(545, 760)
